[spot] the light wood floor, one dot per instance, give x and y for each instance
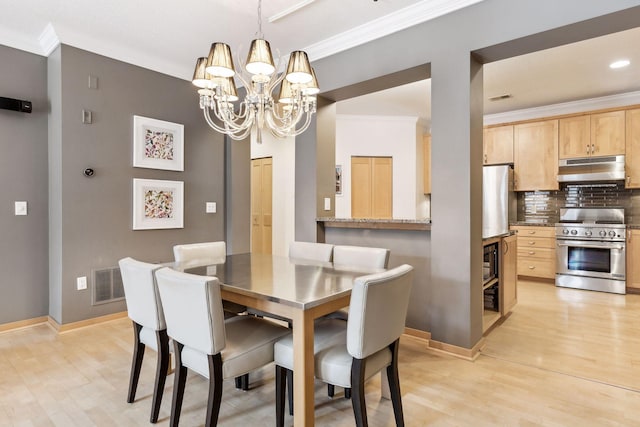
(563, 358)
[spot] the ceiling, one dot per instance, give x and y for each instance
(167, 36)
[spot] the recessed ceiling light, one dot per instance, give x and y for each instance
(619, 64)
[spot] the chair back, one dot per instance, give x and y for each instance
(360, 256)
(203, 253)
(311, 251)
(378, 310)
(141, 293)
(193, 310)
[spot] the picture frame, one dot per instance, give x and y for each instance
(157, 204)
(338, 179)
(158, 144)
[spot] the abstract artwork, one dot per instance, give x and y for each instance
(157, 204)
(157, 144)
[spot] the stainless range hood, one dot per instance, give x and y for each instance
(606, 168)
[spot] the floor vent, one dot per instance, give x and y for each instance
(107, 286)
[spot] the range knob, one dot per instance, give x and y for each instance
(602, 233)
(574, 232)
(612, 233)
(565, 231)
(588, 233)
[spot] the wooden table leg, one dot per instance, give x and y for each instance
(303, 369)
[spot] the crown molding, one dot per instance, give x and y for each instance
(389, 24)
(591, 104)
(48, 40)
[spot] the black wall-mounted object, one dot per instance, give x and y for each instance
(15, 105)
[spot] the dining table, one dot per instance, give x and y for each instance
(295, 289)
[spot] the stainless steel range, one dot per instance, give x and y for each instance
(591, 249)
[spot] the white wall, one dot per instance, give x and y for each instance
(397, 137)
(283, 152)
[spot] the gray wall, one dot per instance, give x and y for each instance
(238, 195)
(407, 247)
(492, 29)
(93, 228)
(23, 173)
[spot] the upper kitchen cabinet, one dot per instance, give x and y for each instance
(632, 158)
(426, 153)
(498, 145)
(535, 160)
(574, 137)
(607, 133)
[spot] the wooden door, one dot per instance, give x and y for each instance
(498, 145)
(536, 156)
(632, 143)
(371, 187)
(509, 274)
(426, 152)
(574, 138)
(607, 133)
(361, 187)
(261, 205)
(633, 259)
(382, 188)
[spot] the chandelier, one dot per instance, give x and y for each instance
(289, 116)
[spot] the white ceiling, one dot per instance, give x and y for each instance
(168, 36)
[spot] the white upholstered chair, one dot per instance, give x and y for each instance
(311, 251)
(149, 328)
(205, 342)
(207, 253)
(378, 311)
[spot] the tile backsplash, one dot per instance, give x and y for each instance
(544, 206)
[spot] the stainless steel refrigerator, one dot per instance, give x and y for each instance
(498, 200)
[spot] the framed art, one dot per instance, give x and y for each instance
(157, 204)
(158, 144)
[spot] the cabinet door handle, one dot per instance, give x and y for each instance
(587, 148)
(629, 231)
(628, 180)
(532, 253)
(532, 232)
(532, 267)
(532, 243)
(485, 158)
(593, 148)
(506, 247)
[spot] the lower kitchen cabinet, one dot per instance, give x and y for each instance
(500, 293)
(536, 251)
(633, 259)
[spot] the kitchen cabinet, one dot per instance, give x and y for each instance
(608, 133)
(536, 251)
(498, 145)
(426, 153)
(535, 159)
(633, 259)
(509, 274)
(632, 143)
(574, 137)
(504, 285)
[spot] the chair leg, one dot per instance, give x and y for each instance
(357, 387)
(331, 390)
(179, 381)
(215, 389)
(162, 368)
(290, 390)
(281, 380)
(136, 363)
(394, 384)
(242, 382)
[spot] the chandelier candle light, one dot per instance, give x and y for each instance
(214, 75)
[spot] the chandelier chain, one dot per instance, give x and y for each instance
(260, 35)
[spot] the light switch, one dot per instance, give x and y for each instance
(21, 208)
(211, 207)
(327, 204)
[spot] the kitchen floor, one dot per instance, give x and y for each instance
(563, 358)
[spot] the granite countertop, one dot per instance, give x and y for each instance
(375, 220)
(534, 224)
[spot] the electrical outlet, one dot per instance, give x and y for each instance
(20, 208)
(211, 207)
(81, 283)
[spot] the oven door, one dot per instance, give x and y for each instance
(591, 259)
